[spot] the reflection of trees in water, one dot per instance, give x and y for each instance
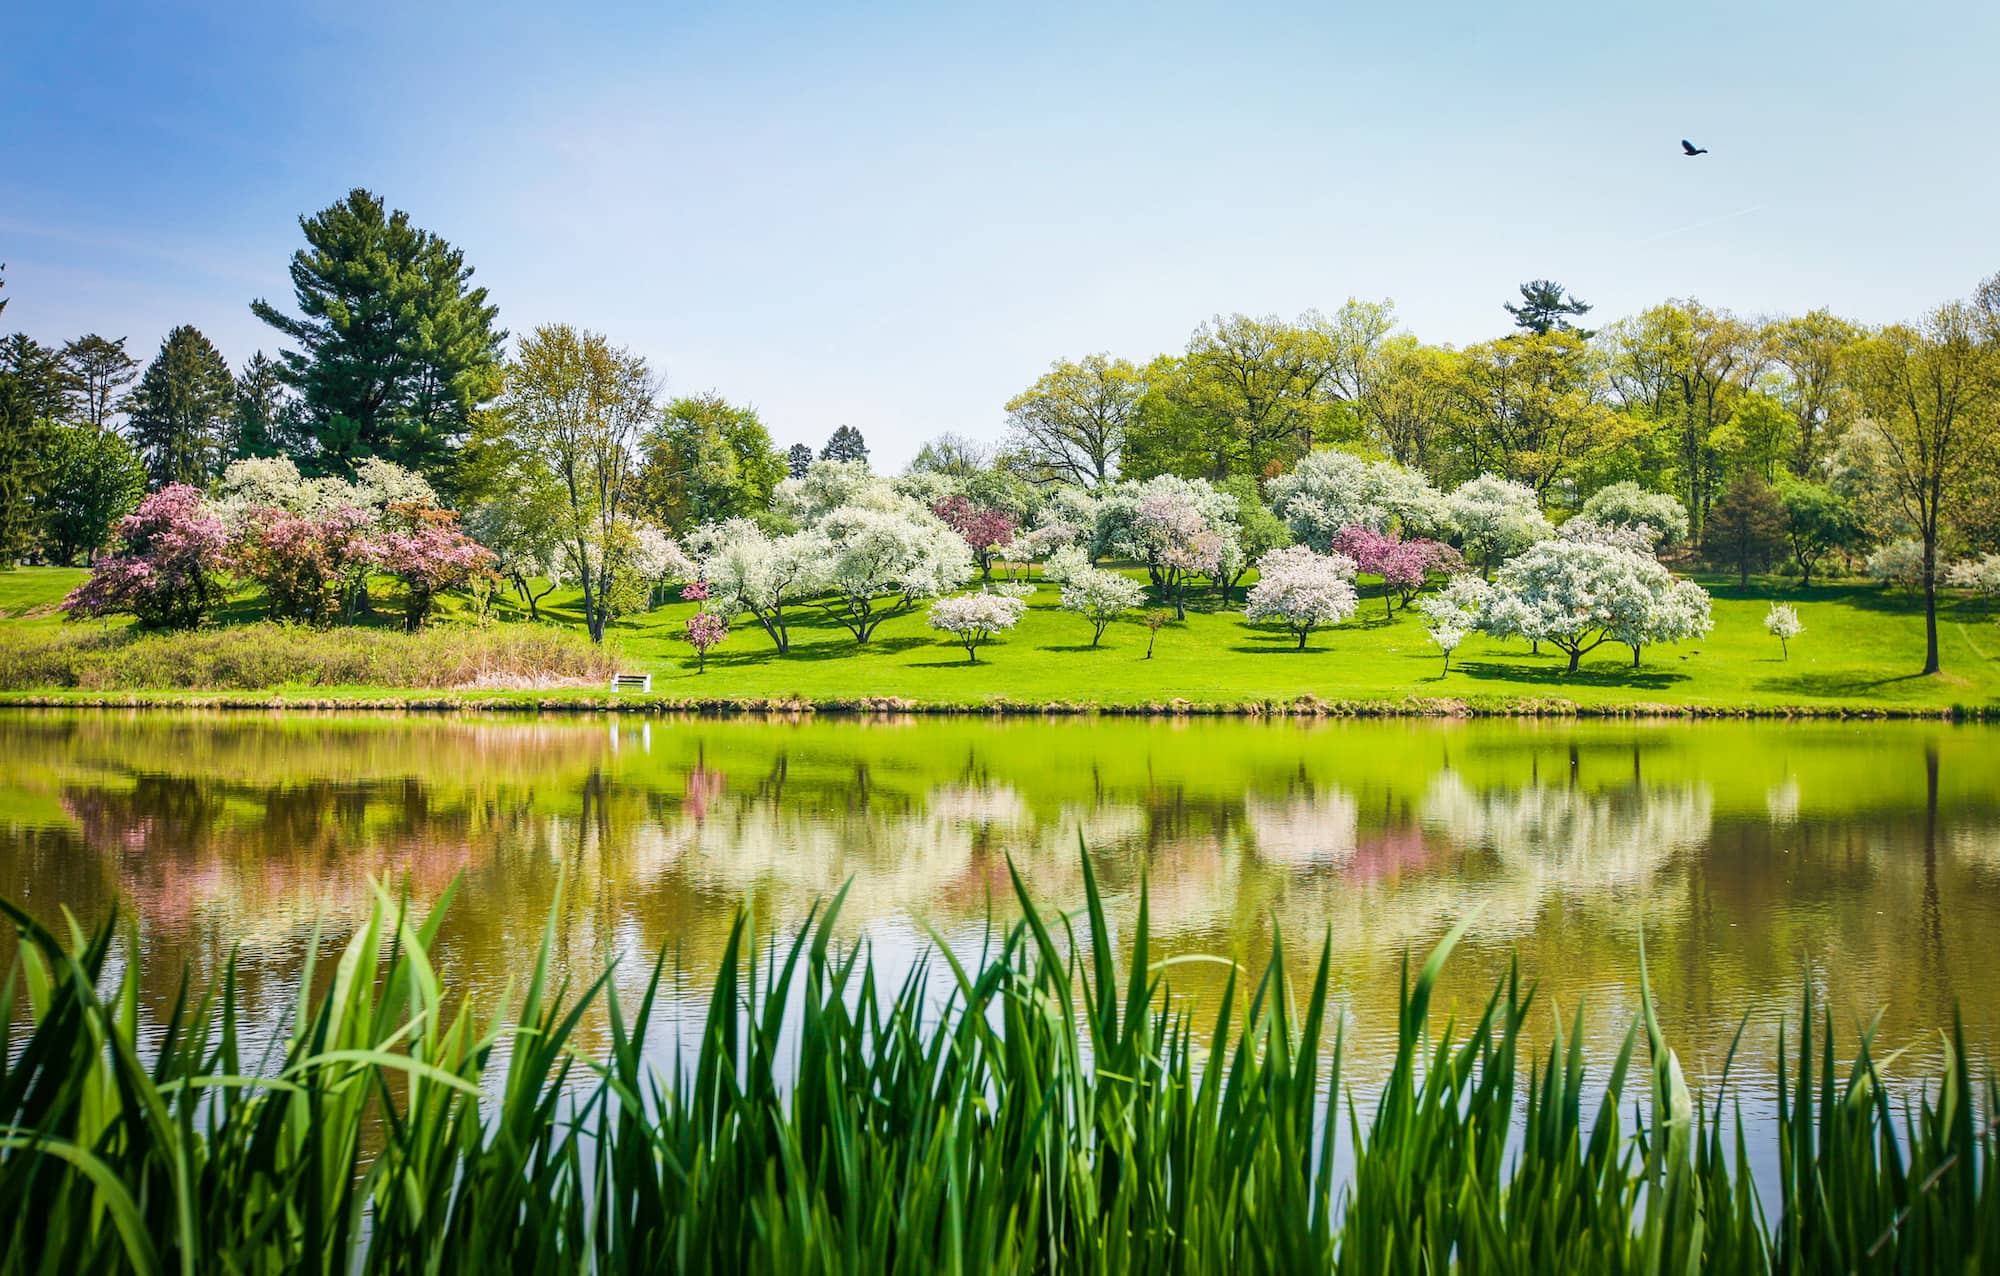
(1568, 838)
(1303, 829)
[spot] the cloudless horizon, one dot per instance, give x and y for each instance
(895, 217)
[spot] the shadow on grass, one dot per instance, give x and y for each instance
(1602, 675)
(1843, 684)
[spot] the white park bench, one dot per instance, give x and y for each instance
(631, 682)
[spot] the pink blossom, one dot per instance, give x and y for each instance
(429, 558)
(704, 630)
(169, 570)
(982, 527)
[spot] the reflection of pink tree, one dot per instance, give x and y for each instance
(1390, 854)
(703, 787)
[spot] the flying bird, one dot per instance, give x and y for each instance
(1689, 148)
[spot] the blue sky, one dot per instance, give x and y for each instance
(896, 216)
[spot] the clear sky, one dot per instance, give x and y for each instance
(895, 217)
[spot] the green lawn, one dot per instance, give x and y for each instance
(1861, 649)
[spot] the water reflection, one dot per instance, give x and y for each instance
(1753, 857)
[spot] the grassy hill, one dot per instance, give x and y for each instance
(1861, 649)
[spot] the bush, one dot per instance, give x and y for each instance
(169, 571)
(261, 656)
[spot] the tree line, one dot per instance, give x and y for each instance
(1800, 440)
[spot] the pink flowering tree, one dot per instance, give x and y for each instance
(982, 527)
(430, 555)
(169, 571)
(307, 564)
(704, 630)
(1404, 565)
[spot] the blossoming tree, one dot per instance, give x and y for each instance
(1496, 519)
(1302, 590)
(973, 620)
(1100, 597)
(751, 573)
(169, 569)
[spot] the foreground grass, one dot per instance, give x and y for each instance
(1056, 1113)
(1861, 650)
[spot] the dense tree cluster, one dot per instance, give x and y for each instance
(1551, 453)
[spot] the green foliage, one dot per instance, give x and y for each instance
(98, 369)
(31, 401)
(1818, 521)
(266, 418)
(1055, 1113)
(182, 410)
(707, 460)
(1545, 307)
(95, 478)
(1746, 529)
(396, 348)
(845, 444)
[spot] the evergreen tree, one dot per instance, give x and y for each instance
(396, 349)
(263, 419)
(845, 445)
(32, 401)
(1545, 307)
(1745, 531)
(182, 410)
(98, 369)
(798, 459)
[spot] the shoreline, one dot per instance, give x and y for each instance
(1313, 707)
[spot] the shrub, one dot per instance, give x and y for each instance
(305, 563)
(429, 555)
(169, 572)
(1631, 506)
(1899, 563)
(975, 619)
(260, 656)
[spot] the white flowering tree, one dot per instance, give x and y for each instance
(657, 561)
(1497, 519)
(1100, 597)
(1635, 538)
(1899, 563)
(750, 573)
(1680, 611)
(1329, 490)
(274, 483)
(1576, 597)
(1179, 528)
(523, 529)
(1629, 505)
(1302, 590)
(1454, 612)
(1981, 575)
(974, 620)
(880, 562)
(1782, 622)
(829, 485)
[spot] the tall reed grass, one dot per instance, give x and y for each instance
(256, 656)
(1058, 1114)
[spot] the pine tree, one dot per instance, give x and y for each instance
(1745, 531)
(1545, 307)
(845, 445)
(396, 349)
(98, 369)
(32, 401)
(798, 459)
(263, 418)
(182, 409)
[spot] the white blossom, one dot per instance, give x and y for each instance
(1331, 489)
(974, 619)
(1496, 518)
(1900, 562)
(1302, 589)
(872, 552)
(1629, 505)
(1454, 612)
(1100, 596)
(1576, 597)
(1981, 575)
(748, 571)
(1782, 622)
(1635, 538)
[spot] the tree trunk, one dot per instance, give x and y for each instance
(1575, 659)
(1303, 635)
(1635, 655)
(1931, 663)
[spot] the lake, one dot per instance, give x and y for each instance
(1755, 858)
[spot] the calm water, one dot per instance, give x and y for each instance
(1864, 859)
